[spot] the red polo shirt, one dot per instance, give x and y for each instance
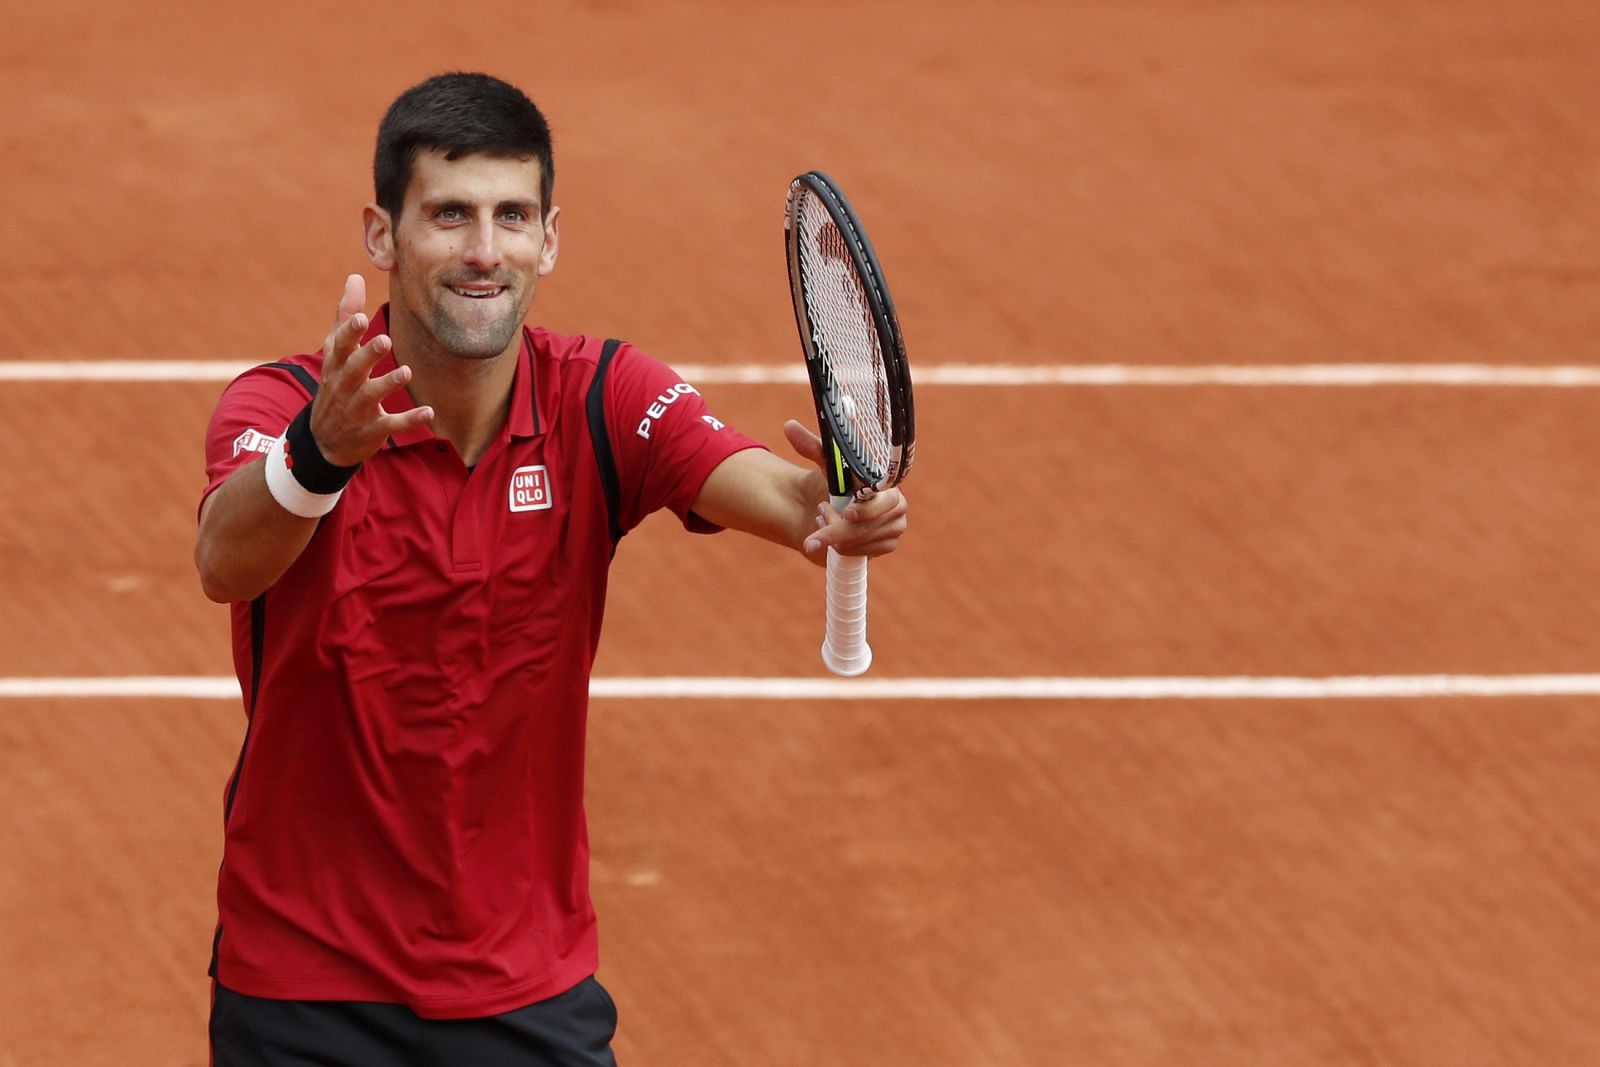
(405, 823)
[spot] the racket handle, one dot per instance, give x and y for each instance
(844, 645)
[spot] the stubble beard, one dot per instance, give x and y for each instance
(483, 340)
(460, 339)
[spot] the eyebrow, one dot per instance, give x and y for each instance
(527, 207)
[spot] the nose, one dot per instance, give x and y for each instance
(483, 248)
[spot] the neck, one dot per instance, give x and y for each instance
(469, 397)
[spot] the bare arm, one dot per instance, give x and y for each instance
(761, 494)
(247, 539)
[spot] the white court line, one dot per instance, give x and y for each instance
(1299, 374)
(1401, 686)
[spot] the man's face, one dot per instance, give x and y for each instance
(469, 250)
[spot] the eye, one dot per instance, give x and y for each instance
(449, 214)
(514, 215)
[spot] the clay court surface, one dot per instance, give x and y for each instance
(898, 881)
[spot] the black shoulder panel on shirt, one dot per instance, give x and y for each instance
(600, 436)
(301, 375)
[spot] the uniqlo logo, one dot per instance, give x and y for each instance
(530, 489)
(252, 441)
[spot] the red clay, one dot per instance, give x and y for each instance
(1213, 884)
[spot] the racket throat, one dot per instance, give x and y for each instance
(842, 482)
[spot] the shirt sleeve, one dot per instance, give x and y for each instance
(665, 439)
(253, 411)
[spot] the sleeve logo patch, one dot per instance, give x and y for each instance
(659, 407)
(530, 489)
(252, 441)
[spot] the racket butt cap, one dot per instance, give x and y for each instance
(847, 667)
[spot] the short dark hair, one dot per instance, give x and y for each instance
(460, 115)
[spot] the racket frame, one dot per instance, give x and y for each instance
(848, 470)
(850, 474)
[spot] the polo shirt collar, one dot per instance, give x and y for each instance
(524, 420)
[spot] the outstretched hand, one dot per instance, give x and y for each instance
(347, 417)
(870, 525)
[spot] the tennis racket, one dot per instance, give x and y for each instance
(860, 380)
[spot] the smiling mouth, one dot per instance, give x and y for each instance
(474, 292)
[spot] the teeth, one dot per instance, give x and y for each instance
(477, 294)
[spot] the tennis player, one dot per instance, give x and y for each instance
(413, 527)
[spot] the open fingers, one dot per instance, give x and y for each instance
(342, 340)
(390, 425)
(349, 323)
(376, 389)
(353, 299)
(357, 368)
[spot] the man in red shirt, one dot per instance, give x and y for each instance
(413, 527)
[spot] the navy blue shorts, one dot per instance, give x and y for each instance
(573, 1029)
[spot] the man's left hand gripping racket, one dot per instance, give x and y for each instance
(856, 360)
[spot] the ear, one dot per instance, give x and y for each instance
(552, 241)
(379, 233)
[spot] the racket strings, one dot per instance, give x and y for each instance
(846, 338)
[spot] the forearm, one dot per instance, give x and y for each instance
(759, 493)
(247, 539)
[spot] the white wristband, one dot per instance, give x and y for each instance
(293, 497)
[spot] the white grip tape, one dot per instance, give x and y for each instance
(844, 645)
(293, 497)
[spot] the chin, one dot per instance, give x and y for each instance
(480, 342)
